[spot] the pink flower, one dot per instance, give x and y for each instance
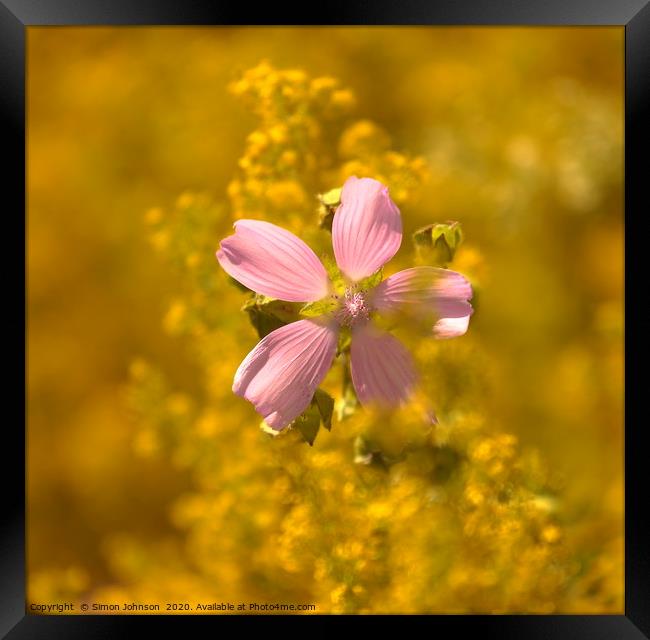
(280, 375)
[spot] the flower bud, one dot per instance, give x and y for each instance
(329, 202)
(438, 242)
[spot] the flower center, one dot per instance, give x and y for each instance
(354, 308)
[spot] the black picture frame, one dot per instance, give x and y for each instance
(17, 15)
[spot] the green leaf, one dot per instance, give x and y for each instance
(439, 241)
(313, 309)
(318, 412)
(325, 404)
(422, 236)
(308, 423)
(268, 314)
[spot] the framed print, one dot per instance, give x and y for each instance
(325, 316)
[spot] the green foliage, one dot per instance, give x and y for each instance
(325, 404)
(319, 308)
(438, 242)
(267, 314)
(319, 412)
(371, 281)
(308, 423)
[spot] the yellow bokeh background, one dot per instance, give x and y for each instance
(149, 482)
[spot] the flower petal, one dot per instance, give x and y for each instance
(280, 375)
(450, 327)
(382, 368)
(439, 295)
(367, 228)
(273, 261)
